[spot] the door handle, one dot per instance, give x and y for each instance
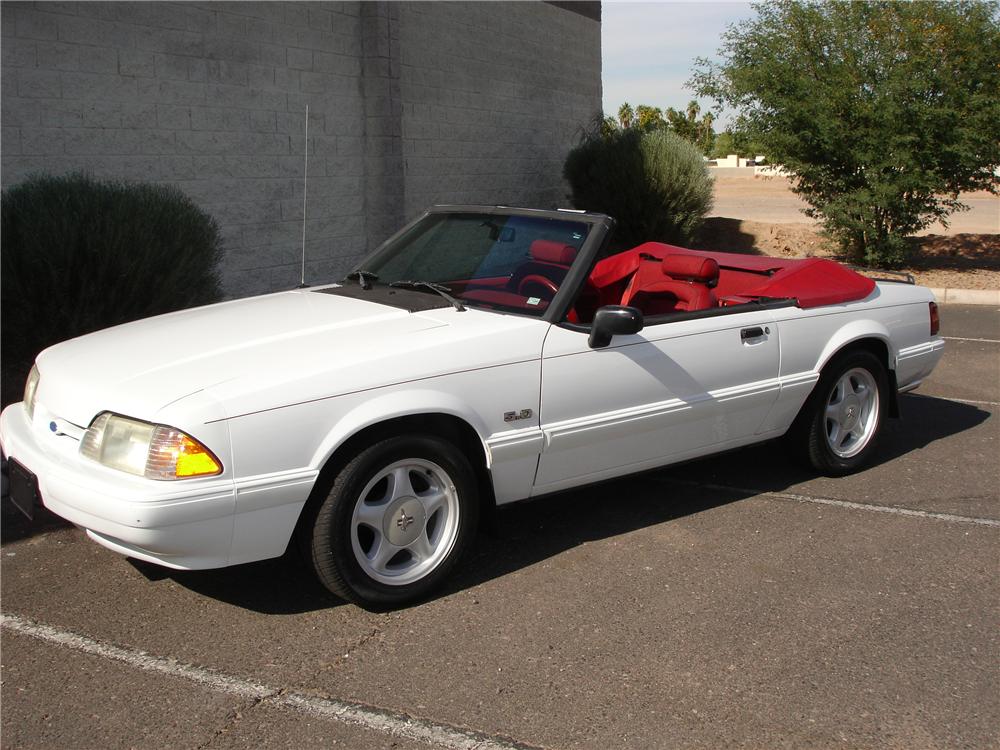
(753, 333)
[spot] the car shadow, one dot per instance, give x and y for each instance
(527, 533)
(282, 586)
(924, 420)
(14, 526)
(524, 534)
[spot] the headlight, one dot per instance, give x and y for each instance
(147, 450)
(30, 389)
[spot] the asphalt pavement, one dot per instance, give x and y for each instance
(737, 601)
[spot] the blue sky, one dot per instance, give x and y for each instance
(648, 49)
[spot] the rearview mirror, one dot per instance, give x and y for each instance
(614, 320)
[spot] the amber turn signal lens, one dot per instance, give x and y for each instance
(174, 455)
(194, 460)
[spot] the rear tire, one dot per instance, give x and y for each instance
(838, 428)
(396, 519)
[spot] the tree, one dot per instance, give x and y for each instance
(884, 111)
(724, 145)
(603, 126)
(648, 118)
(626, 115)
(687, 125)
(729, 142)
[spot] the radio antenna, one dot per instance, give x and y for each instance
(305, 186)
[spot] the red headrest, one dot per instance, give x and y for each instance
(548, 251)
(691, 268)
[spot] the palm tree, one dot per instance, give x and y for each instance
(626, 115)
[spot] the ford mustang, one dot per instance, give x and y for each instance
(480, 356)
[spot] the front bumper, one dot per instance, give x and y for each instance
(185, 525)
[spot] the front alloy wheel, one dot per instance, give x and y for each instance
(394, 521)
(405, 521)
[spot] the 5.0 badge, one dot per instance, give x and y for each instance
(513, 416)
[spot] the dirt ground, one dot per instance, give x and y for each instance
(964, 255)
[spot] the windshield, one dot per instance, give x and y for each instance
(513, 263)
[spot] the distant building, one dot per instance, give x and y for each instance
(733, 161)
(410, 104)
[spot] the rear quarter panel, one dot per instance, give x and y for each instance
(895, 314)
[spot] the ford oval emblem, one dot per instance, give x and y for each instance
(53, 426)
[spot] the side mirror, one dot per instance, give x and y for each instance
(614, 320)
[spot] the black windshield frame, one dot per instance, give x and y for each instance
(600, 228)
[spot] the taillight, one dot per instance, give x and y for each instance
(935, 319)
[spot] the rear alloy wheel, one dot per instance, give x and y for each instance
(852, 413)
(395, 521)
(845, 413)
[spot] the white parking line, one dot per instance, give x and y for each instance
(962, 338)
(928, 514)
(959, 400)
(383, 722)
(973, 401)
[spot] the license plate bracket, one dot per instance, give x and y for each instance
(23, 489)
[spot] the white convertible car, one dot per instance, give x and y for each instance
(480, 356)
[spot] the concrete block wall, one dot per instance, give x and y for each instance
(494, 100)
(409, 104)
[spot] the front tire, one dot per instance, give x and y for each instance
(842, 421)
(395, 521)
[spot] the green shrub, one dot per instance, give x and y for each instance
(80, 255)
(654, 184)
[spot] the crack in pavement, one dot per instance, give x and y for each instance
(231, 721)
(360, 643)
(338, 662)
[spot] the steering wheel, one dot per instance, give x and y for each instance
(534, 282)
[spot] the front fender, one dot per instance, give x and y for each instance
(391, 406)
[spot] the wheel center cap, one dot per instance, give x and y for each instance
(852, 413)
(404, 521)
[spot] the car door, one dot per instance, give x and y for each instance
(679, 388)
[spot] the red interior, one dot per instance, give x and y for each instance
(659, 278)
(532, 285)
(694, 268)
(549, 251)
(651, 276)
(677, 282)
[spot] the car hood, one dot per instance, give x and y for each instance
(139, 368)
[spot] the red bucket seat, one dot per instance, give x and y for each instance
(678, 282)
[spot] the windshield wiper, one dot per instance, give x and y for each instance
(365, 278)
(438, 288)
